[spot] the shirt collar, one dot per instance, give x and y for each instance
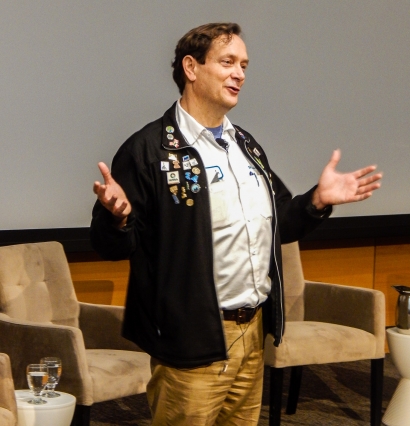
(192, 130)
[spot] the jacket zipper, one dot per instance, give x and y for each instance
(268, 180)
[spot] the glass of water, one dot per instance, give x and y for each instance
(54, 368)
(37, 377)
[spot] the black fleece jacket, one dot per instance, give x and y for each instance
(172, 309)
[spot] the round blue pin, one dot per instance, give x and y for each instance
(195, 188)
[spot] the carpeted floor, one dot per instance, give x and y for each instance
(331, 395)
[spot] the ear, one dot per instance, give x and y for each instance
(189, 64)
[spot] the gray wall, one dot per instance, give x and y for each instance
(79, 76)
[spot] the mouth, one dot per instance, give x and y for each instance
(234, 89)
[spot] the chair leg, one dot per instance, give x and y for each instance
(294, 388)
(376, 391)
(81, 415)
(275, 403)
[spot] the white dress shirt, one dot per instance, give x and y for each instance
(241, 214)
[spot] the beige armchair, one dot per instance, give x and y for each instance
(8, 406)
(325, 323)
(40, 316)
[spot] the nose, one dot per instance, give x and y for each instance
(238, 73)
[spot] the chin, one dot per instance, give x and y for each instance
(231, 103)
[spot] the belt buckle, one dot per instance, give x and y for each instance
(241, 316)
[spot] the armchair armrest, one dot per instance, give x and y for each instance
(350, 306)
(7, 396)
(102, 327)
(25, 343)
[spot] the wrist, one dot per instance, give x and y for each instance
(316, 207)
(119, 222)
(316, 202)
(313, 210)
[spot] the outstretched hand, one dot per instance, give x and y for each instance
(339, 188)
(111, 195)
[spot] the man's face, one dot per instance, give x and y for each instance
(220, 79)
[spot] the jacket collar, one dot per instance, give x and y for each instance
(172, 138)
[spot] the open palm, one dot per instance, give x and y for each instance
(339, 188)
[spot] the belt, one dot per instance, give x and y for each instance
(240, 315)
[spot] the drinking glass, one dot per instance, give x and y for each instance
(54, 368)
(37, 377)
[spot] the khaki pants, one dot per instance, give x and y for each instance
(218, 394)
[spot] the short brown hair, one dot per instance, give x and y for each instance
(197, 43)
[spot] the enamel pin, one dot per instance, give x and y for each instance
(255, 150)
(172, 156)
(195, 188)
(174, 192)
(165, 166)
(186, 165)
(172, 178)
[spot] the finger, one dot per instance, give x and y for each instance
(99, 188)
(365, 171)
(364, 196)
(370, 179)
(120, 210)
(369, 184)
(368, 188)
(367, 179)
(96, 187)
(105, 171)
(335, 158)
(110, 202)
(104, 195)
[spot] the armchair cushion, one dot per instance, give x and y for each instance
(116, 374)
(310, 342)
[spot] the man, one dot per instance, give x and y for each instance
(194, 205)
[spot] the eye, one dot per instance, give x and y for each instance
(226, 62)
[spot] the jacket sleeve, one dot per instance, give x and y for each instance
(295, 218)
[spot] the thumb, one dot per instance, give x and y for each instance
(334, 159)
(105, 171)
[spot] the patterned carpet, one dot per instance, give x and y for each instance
(331, 395)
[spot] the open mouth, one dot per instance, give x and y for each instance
(234, 89)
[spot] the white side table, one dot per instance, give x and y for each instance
(398, 410)
(57, 412)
